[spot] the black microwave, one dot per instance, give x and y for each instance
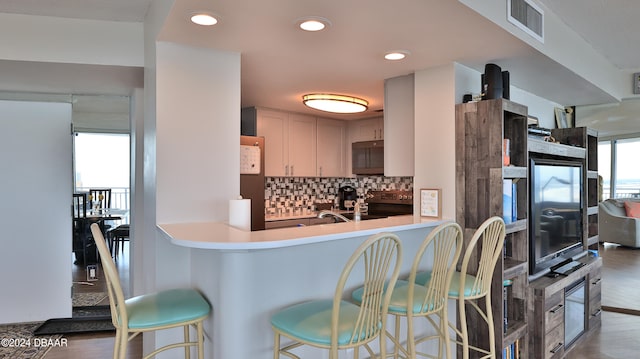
(367, 158)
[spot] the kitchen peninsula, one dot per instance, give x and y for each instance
(247, 276)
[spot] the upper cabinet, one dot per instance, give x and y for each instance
(331, 146)
(399, 126)
(298, 145)
(302, 146)
(367, 130)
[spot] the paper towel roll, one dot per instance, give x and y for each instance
(240, 214)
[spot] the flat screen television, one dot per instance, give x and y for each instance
(555, 213)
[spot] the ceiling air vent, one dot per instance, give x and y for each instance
(527, 16)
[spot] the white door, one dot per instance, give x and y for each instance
(35, 187)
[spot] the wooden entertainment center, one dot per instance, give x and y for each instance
(529, 314)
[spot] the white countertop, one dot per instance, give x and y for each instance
(221, 236)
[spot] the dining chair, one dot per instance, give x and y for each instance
(150, 312)
(80, 229)
(469, 286)
(412, 300)
(337, 324)
(100, 198)
(116, 237)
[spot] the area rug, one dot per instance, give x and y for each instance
(87, 319)
(87, 299)
(19, 342)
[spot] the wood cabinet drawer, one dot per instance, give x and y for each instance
(554, 317)
(595, 285)
(554, 342)
(594, 315)
(554, 311)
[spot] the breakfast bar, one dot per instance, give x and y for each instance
(247, 276)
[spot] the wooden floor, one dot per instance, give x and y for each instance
(617, 338)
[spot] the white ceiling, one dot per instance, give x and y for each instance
(280, 62)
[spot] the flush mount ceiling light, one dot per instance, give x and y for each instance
(335, 103)
(312, 23)
(396, 55)
(203, 18)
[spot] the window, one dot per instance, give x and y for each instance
(626, 169)
(102, 160)
(617, 164)
(604, 167)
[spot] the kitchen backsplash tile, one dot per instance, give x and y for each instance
(290, 193)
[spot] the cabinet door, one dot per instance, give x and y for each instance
(368, 130)
(273, 125)
(302, 145)
(331, 148)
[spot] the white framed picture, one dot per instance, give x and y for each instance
(430, 202)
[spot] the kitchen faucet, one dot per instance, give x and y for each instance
(335, 215)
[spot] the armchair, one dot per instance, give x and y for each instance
(614, 224)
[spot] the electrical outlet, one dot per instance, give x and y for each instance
(92, 272)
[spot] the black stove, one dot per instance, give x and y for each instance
(389, 203)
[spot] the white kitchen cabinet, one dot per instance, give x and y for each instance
(302, 145)
(274, 126)
(331, 148)
(367, 130)
(290, 143)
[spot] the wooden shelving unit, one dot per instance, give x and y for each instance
(586, 139)
(547, 295)
(534, 311)
(481, 173)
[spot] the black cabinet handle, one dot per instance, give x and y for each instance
(596, 281)
(557, 348)
(556, 308)
(597, 313)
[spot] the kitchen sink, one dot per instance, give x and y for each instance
(364, 217)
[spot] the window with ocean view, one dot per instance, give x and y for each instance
(618, 166)
(101, 160)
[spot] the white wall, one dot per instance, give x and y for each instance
(35, 187)
(198, 133)
(435, 135)
(65, 40)
(198, 156)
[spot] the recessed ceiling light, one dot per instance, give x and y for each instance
(313, 23)
(396, 55)
(335, 103)
(204, 18)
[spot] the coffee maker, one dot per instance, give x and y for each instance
(348, 197)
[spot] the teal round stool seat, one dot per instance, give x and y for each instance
(423, 278)
(311, 321)
(166, 308)
(400, 298)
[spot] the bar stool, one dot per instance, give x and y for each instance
(150, 312)
(468, 287)
(412, 300)
(337, 324)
